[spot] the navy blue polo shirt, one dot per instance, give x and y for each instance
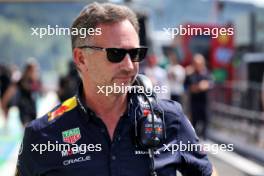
(88, 150)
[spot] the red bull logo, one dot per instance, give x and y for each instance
(65, 107)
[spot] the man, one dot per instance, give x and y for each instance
(68, 83)
(198, 83)
(262, 92)
(158, 76)
(104, 124)
(5, 81)
(23, 93)
(176, 74)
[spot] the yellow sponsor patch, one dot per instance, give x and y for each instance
(65, 107)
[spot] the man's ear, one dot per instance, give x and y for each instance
(78, 58)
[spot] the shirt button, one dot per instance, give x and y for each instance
(113, 157)
(119, 138)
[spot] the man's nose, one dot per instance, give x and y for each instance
(127, 64)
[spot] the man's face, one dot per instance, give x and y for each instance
(99, 70)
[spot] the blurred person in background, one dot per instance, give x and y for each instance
(176, 75)
(5, 81)
(262, 92)
(23, 93)
(158, 76)
(198, 83)
(68, 84)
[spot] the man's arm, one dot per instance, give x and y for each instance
(194, 160)
(10, 92)
(26, 164)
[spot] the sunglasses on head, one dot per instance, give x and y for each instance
(116, 55)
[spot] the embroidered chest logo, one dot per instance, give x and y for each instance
(71, 136)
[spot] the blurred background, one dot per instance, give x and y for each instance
(221, 79)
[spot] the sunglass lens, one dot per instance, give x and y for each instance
(115, 54)
(134, 54)
(137, 54)
(142, 53)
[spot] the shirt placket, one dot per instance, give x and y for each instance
(113, 148)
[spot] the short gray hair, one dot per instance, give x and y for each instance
(106, 13)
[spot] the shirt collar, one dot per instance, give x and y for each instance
(134, 110)
(88, 112)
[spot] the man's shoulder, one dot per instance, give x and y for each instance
(170, 106)
(56, 115)
(176, 119)
(173, 112)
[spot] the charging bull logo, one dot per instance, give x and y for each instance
(65, 107)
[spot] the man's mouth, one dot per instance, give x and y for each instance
(124, 79)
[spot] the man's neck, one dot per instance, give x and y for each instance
(105, 106)
(108, 108)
